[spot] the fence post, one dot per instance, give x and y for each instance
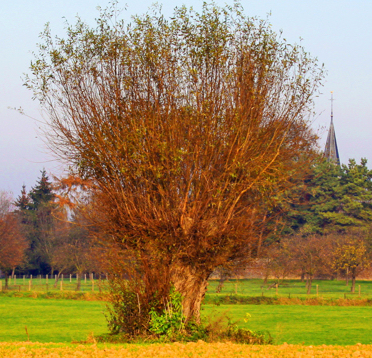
(276, 289)
(29, 285)
(92, 285)
(70, 278)
(31, 277)
(61, 285)
(24, 279)
(47, 279)
(15, 279)
(85, 278)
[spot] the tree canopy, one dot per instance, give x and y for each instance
(187, 128)
(12, 241)
(334, 199)
(35, 210)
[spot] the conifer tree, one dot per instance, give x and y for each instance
(35, 209)
(23, 201)
(335, 199)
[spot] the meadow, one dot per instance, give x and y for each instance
(306, 330)
(70, 320)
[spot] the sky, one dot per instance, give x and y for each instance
(337, 32)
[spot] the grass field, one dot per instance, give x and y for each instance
(310, 325)
(70, 320)
(50, 320)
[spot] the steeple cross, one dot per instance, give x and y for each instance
(332, 106)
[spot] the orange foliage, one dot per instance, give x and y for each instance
(12, 242)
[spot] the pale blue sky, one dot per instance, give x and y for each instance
(337, 32)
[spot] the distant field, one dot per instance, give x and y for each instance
(46, 285)
(69, 320)
(291, 288)
(251, 287)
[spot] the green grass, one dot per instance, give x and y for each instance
(69, 320)
(311, 325)
(50, 320)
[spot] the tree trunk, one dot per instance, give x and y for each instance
(309, 283)
(13, 272)
(56, 280)
(220, 285)
(353, 277)
(6, 279)
(259, 244)
(78, 279)
(192, 284)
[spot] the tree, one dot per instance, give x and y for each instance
(280, 261)
(187, 129)
(38, 213)
(12, 242)
(305, 255)
(78, 251)
(312, 256)
(333, 199)
(351, 255)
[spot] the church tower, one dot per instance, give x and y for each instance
(331, 150)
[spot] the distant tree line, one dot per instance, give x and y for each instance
(327, 232)
(39, 236)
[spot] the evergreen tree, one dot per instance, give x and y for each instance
(42, 194)
(36, 210)
(23, 201)
(335, 199)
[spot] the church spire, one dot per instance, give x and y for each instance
(331, 150)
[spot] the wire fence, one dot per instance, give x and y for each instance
(98, 283)
(44, 283)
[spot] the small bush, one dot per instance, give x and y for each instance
(126, 315)
(170, 325)
(171, 321)
(222, 328)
